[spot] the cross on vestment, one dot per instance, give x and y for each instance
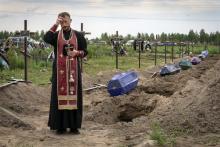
(68, 47)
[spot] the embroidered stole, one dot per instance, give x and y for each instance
(66, 72)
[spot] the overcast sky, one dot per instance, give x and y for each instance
(126, 16)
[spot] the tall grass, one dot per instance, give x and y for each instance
(99, 50)
(100, 58)
(15, 60)
(38, 72)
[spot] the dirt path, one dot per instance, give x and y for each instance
(187, 104)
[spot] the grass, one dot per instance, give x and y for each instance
(100, 58)
(95, 65)
(161, 138)
(40, 74)
(37, 73)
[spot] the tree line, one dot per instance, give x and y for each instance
(192, 36)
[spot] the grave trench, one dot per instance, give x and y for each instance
(124, 108)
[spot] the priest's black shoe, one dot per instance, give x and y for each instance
(75, 131)
(60, 131)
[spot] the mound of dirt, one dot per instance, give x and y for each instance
(7, 120)
(195, 108)
(188, 101)
(21, 99)
(123, 108)
(24, 98)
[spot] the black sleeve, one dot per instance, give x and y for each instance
(82, 44)
(51, 38)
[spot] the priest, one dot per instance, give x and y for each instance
(66, 105)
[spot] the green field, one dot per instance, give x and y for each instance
(100, 58)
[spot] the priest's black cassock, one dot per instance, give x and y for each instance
(62, 119)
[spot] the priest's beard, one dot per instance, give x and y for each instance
(66, 28)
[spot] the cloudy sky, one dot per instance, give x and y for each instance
(126, 16)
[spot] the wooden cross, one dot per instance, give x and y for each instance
(25, 34)
(155, 53)
(139, 41)
(116, 46)
(84, 33)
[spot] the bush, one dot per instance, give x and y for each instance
(15, 60)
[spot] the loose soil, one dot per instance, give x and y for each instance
(186, 104)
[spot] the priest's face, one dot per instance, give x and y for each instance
(65, 23)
